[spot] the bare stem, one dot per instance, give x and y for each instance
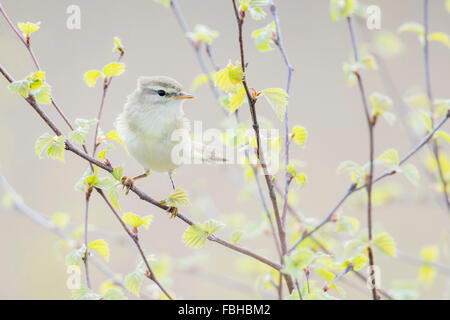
(86, 251)
(434, 146)
(259, 152)
(369, 177)
(279, 43)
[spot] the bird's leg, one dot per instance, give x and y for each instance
(128, 183)
(173, 210)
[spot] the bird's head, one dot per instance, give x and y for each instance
(160, 91)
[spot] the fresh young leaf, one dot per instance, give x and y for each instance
(114, 136)
(28, 28)
(91, 77)
(178, 198)
(277, 98)
(113, 69)
(101, 246)
(237, 98)
(21, 87)
(442, 134)
(264, 37)
(389, 158)
(298, 260)
(211, 226)
(118, 45)
(347, 224)
(411, 173)
(84, 293)
(136, 221)
(429, 254)
(236, 236)
(439, 37)
(195, 236)
(227, 78)
(385, 243)
(133, 282)
(203, 33)
(43, 94)
(54, 146)
(165, 3)
(60, 220)
(299, 135)
(114, 293)
(74, 257)
(415, 27)
(341, 8)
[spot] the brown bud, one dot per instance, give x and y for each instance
(334, 217)
(241, 15)
(134, 230)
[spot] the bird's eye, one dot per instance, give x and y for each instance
(161, 93)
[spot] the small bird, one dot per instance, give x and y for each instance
(150, 116)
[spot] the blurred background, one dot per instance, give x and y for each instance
(32, 266)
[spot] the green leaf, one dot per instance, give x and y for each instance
(60, 220)
(411, 173)
(203, 33)
(389, 158)
(388, 44)
(341, 9)
(165, 3)
(299, 135)
(298, 260)
(101, 246)
(54, 146)
(74, 257)
(442, 134)
(114, 136)
(429, 254)
(439, 37)
(91, 77)
(84, 293)
(415, 27)
(78, 135)
(199, 80)
(211, 226)
(118, 45)
(264, 37)
(195, 236)
(114, 293)
(380, 103)
(178, 198)
(227, 78)
(28, 27)
(236, 236)
(385, 243)
(133, 281)
(447, 5)
(237, 98)
(136, 221)
(347, 224)
(118, 173)
(347, 166)
(21, 87)
(277, 98)
(113, 69)
(427, 274)
(43, 94)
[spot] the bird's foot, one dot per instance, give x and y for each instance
(128, 184)
(173, 212)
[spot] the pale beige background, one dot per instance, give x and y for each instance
(320, 101)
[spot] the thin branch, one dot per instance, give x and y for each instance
(259, 151)
(279, 43)
(352, 188)
(150, 274)
(434, 146)
(86, 251)
(27, 44)
(142, 195)
(41, 220)
(369, 177)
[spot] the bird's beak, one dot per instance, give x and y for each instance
(184, 95)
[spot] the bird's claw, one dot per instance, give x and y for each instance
(173, 212)
(128, 184)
